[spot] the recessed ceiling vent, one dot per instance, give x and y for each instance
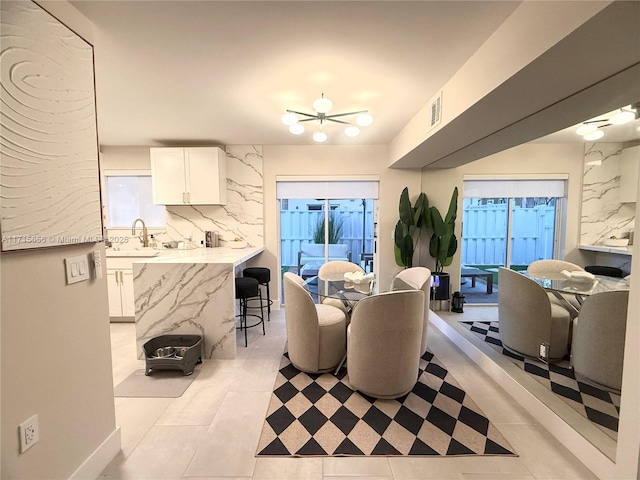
(435, 111)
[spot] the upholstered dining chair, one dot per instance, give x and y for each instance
(527, 318)
(316, 334)
(418, 278)
(335, 269)
(383, 343)
(554, 267)
(597, 350)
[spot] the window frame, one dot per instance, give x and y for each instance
(105, 196)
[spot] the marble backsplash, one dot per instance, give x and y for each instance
(243, 215)
(603, 215)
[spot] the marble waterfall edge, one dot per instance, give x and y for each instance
(186, 298)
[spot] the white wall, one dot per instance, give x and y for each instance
(55, 353)
(325, 160)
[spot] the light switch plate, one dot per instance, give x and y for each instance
(77, 269)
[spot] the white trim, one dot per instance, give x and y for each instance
(95, 463)
(516, 176)
(327, 178)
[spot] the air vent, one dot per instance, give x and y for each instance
(435, 111)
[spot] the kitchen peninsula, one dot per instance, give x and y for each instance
(190, 292)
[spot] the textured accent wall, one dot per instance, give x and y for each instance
(603, 215)
(49, 185)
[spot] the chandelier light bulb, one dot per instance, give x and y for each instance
(364, 119)
(622, 117)
(352, 131)
(319, 136)
(322, 105)
(296, 128)
(289, 119)
(586, 129)
(594, 135)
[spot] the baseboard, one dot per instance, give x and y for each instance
(99, 459)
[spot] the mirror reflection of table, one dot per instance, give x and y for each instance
(558, 284)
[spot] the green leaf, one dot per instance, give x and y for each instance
(453, 207)
(404, 207)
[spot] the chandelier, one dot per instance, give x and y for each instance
(322, 107)
(591, 130)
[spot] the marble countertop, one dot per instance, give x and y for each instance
(606, 249)
(227, 255)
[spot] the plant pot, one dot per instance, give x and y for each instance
(440, 289)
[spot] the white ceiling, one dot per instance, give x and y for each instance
(204, 72)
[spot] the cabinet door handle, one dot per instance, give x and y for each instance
(188, 197)
(121, 277)
(184, 197)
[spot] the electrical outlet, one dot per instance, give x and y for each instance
(544, 352)
(29, 433)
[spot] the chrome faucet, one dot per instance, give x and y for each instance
(144, 237)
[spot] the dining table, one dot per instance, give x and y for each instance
(335, 286)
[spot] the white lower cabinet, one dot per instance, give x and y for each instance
(120, 286)
(121, 299)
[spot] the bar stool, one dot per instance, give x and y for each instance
(247, 289)
(263, 276)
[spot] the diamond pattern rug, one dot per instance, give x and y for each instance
(598, 405)
(323, 415)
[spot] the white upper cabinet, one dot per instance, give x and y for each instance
(629, 162)
(189, 176)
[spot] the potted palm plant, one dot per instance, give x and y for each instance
(413, 219)
(443, 244)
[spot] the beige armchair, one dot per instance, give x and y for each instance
(383, 343)
(541, 268)
(597, 349)
(528, 318)
(335, 270)
(418, 278)
(316, 334)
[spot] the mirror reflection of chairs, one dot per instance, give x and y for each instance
(555, 267)
(597, 348)
(528, 318)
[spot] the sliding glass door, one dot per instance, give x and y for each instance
(316, 230)
(507, 231)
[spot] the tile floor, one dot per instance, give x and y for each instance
(212, 430)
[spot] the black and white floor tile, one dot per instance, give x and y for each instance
(600, 406)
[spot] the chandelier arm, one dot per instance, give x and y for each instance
(308, 119)
(345, 114)
(329, 119)
(305, 114)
